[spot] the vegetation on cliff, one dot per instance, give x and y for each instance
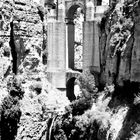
(10, 111)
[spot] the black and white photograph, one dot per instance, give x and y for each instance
(69, 69)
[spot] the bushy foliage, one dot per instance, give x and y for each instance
(97, 122)
(10, 115)
(87, 82)
(14, 86)
(82, 120)
(10, 111)
(78, 107)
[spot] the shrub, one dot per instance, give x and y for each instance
(14, 86)
(87, 81)
(10, 115)
(79, 106)
(66, 125)
(10, 110)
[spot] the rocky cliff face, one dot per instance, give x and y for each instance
(23, 34)
(120, 52)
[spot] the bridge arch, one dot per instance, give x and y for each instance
(72, 9)
(71, 85)
(70, 16)
(70, 89)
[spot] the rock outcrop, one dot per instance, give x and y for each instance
(120, 52)
(22, 37)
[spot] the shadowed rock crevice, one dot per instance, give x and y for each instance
(13, 49)
(41, 13)
(117, 67)
(44, 46)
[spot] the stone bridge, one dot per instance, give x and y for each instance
(60, 27)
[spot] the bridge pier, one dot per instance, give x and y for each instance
(57, 53)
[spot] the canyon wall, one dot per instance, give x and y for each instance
(22, 37)
(119, 44)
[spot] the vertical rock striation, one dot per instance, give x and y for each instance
(6, 15)
(135, 59)
(119, 44)
(28, 34)
(22, 36)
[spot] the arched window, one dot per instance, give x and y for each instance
(75, 18)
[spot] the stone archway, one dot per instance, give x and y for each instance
(71, 34)
(71, 85)
(70, 89)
